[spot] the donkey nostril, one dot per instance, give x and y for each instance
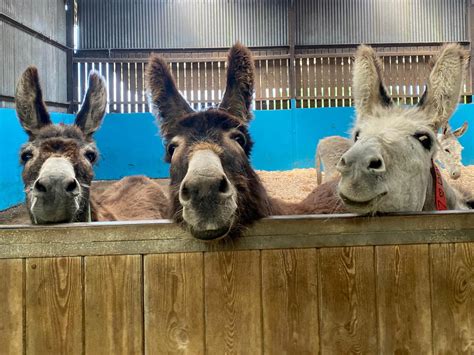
(71, 186)
(184, 192)
(375, 164)
(223, 185)
(342, 162)
(40, 187)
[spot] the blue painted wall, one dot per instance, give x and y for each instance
(130, 143)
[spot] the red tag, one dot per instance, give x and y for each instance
(440, 196)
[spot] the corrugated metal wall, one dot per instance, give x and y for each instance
(19, 49)
(170, 24)
(381, 21)
(181, 23)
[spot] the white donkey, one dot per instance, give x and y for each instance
(330, 150)
(390, 167)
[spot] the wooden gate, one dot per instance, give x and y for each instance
(293, 285)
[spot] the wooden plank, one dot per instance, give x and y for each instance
(174, 304)
(162, 236)
(403, 299)
(54, 306)
(347, 301)
(11, 310)
(452, 293)
(290, 302)
(113, 305)
(233, 302)
(133, 86)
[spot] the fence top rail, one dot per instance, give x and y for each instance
(163, 236)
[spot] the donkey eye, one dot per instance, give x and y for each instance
(356, 136)
(240, 138)
(91, 156)
(171, 148)
(447, 151)
(424, 139)
(25, 156)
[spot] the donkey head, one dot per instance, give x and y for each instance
(450, 150)
(214, 190)
(57, 160)
(388, 167)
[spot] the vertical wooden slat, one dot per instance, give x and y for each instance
(452, 292)
(290, 303)
(113, 305)
(233, 302)
(118, 88)
(209, 87)
(54, 306)
(11, 309)
(202, 85)
(403, 299)
(174, 304)
(347, 300)
(188, 81)
(126, 87)
(133, 86)
(111, 85)
(140, 88)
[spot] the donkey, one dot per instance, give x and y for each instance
(58, 159)
(449, 154)
(214, 191)
(390, 165)
(330, 150)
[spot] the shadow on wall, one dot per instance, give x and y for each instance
(130, 143)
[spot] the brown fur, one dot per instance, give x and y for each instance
(131, 198)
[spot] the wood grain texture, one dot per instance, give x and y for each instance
(174, 304)
(347, 301)
(54, 306)
(233, 302)
(11, 306)
(290, 301)
(452, 283)
(403, 299)
(113, 305)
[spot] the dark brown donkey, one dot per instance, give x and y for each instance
(214, 191)
(58, 162)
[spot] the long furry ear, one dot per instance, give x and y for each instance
(367, 83)
(94, 105)
(30, 106)
(164, 94)
(444, 84)
(240, 82)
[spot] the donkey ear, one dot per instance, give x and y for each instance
(30, 107)
(367, 83)
(461, 130)
(163, 93)
(94, 105)
(444, 84)
(240, 82)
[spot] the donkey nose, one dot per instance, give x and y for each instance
(201, 187)
(49, 184)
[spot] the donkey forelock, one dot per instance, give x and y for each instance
(388, 167)
(214, 190)
(58, 159)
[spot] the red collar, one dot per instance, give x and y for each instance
(440, 196)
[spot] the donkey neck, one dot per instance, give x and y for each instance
(453, 197)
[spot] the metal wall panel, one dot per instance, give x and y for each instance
(19, 50)
(181, 23)
(170, 24)
(45, 16)
(327, 22)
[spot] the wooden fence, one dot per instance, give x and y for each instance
(292, 285)
(322, 77)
